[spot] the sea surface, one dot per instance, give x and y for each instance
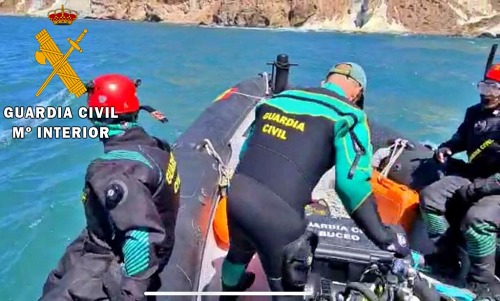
(417, 85)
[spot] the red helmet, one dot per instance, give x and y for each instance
(493, 73)
(116, 91)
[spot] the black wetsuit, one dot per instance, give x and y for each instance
(296, 137)
(131, 199)
(474, 216)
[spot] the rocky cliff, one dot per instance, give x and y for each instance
(450, 17)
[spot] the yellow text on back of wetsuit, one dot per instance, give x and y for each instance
(171, 169)
(484, 145)
(275, 130)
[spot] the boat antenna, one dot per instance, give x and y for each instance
(279, 73)
(491, 57)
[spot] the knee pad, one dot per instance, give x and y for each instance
(297, 260)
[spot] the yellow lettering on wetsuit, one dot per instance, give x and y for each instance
(274, 131)
(484, 145)
(171, 169)
(285, 121)
(172, 166)
(177, 184)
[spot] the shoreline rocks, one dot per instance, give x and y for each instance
(469, 18)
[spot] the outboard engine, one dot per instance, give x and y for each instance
(279, 73)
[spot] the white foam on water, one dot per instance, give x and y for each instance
(279, 29)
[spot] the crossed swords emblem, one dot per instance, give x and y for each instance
(59, 62)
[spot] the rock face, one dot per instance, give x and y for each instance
(450, 17)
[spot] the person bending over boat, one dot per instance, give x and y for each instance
(296, 137)
(130, 198)
(466, 204)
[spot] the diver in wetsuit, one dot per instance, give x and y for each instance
(296, 137)
(466, 205)
(130, 198)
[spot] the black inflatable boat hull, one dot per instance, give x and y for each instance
(199, 174)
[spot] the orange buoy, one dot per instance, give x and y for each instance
(397, 204)
(221, 231)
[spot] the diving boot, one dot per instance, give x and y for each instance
(246, 281)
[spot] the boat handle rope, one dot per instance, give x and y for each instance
(222, 169)
(397, 147)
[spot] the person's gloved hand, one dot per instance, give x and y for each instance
(399, 245)
(400, 267)
(480, 188)
(441, 153)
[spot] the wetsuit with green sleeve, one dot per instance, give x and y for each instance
(130, 199)
(296, 137)
(322, 129)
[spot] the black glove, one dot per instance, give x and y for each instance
(399, 245)
(441, 153)
(480, 188)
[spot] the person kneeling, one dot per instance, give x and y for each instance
(465, 205)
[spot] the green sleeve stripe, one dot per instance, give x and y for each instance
(125, 155)
(353, 192)
(349, 156)
(136, 252)
(130, 155)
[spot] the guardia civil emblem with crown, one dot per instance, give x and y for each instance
(62, 16)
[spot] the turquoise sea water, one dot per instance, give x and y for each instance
(418, 85)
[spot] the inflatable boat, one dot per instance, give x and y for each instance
(207, 154)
